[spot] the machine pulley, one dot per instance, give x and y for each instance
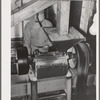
(21, 61)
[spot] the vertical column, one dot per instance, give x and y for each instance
(86, 13)
(26, 20)
(69, 85)
(16, 31)
(63, 11)
(33, 90)
(33, 81)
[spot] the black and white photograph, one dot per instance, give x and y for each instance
(53, 50)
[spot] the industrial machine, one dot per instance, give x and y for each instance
(48, 75)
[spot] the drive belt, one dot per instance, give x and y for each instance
(82, 69)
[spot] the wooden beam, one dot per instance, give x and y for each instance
(18, 79)
(19, 90)
(87, 9)
(28, 11)
(63, 17)
(44, 85)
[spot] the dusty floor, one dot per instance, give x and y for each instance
(91, 94)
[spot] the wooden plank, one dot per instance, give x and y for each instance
(18, 90)
(73, 34)
(87, 8)
(47, 85)
(28, 11)
(17, 79)
(51, 85)
(63, 17)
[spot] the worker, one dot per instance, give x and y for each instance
(34, 34)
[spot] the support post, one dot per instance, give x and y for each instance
(69, 85)
(63, 11)
(33, 90)
(33, 80)
(86, 13)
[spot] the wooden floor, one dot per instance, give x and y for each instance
(91, 93)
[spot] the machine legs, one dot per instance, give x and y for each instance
(69, 86)
(33, 90)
